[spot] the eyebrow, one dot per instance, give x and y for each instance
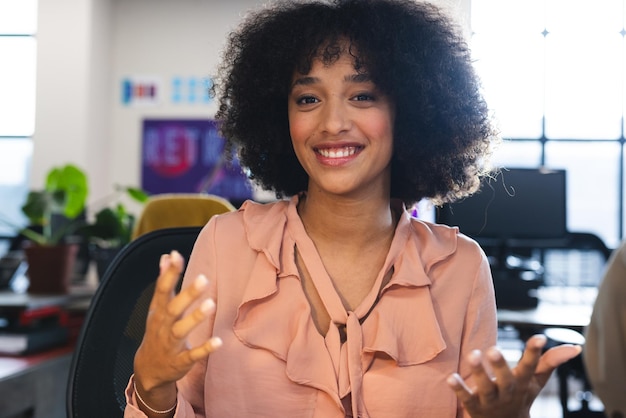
(351, 78)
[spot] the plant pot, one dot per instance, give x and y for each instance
(50, 268)
(103, 257)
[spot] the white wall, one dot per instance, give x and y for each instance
(73, 73)
(86, 48)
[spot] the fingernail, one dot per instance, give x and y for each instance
(201, 282)
(176, 257)
(164, 262)
(475, 357)
(216, 342)
(494, 354)
(540, 340)
(207, 306)
(453, 380)
(579, 348)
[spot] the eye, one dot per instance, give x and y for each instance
(305, 100)
(364, 97)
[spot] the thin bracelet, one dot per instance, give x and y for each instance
(167, 411)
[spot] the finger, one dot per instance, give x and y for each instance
(170, 268)
(205, 349)
(183, 327)
(486, 389)
(553, 358)
(181, 302)
(525, 368)
(462, 391)
(504, 379)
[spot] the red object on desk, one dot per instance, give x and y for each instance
(30, 316)
(10, 365)
(34, 385)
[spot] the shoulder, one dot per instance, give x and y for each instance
(258, 224)
(443, 241)
(252, 214)
(621, 254)
(451, 260)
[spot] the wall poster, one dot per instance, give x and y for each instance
(186, 156)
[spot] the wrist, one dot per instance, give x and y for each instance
(159, 400)
(146, 379)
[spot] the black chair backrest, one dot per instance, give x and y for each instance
(115, 324)
(588, 241)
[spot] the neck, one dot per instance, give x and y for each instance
(347, 220)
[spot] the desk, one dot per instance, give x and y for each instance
(34, 386)
(561, 307)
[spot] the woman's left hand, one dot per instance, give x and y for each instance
(504, 392)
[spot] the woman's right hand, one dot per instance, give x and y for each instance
(164, 355)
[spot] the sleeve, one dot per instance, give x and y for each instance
(183, 408)
(481, 323)
(191, 387)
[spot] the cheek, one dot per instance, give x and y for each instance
(298, 129)
(382, 128)
(298, 135)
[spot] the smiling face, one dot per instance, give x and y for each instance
(341, 128)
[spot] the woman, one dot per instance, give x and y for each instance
(336, 302)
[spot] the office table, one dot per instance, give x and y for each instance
(559, 307)
(34, 386)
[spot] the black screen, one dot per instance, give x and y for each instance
(517, 203)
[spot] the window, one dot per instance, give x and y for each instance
(553, 72)
(18, 22)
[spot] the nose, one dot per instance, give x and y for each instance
(336, 116)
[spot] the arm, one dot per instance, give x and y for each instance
(172, 348)
(480, 329)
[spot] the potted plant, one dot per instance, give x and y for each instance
(53, 214)
(112, 226)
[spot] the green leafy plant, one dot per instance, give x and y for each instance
(113, 224)
(65, 195)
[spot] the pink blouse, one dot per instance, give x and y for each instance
(401, 343)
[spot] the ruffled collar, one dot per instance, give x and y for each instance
(401, 320)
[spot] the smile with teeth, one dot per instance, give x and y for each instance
(337, 152)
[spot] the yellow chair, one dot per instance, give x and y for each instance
(179, 209)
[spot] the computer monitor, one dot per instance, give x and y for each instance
(516, 203)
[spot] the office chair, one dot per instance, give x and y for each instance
(589, 242)
(115, 324)
(179, 209)
(574, 368)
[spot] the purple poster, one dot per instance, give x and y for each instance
(186, 156)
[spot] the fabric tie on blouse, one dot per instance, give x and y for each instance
(354, 344)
